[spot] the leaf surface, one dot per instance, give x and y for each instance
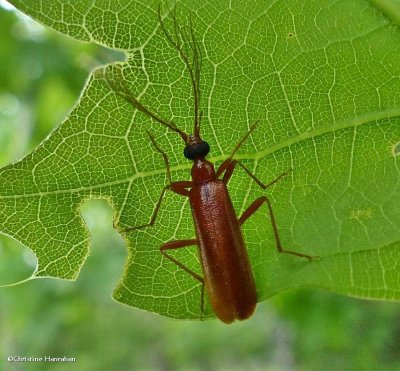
(322, 77)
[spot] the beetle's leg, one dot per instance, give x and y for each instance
(229, 163)
(152, 219)
(228, 166)
(253, 208)
(180, 187)
(172, 245)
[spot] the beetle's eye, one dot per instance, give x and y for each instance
(193, 151)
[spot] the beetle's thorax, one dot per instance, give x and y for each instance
(202, 170)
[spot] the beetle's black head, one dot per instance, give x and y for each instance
(196, 148)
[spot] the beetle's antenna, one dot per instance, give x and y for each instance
(122, 90)
(252, 127)
(163, 154)
(186, 39)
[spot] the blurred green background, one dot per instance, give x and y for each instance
(41, 75)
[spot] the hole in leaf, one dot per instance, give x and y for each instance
(21, 261)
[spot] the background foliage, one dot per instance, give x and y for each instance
(303, 330)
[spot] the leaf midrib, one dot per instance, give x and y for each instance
(360, 120)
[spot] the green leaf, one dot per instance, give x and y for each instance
(322, 77)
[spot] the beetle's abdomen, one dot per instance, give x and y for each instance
(227, 273)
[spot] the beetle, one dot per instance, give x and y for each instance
(227, 275)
